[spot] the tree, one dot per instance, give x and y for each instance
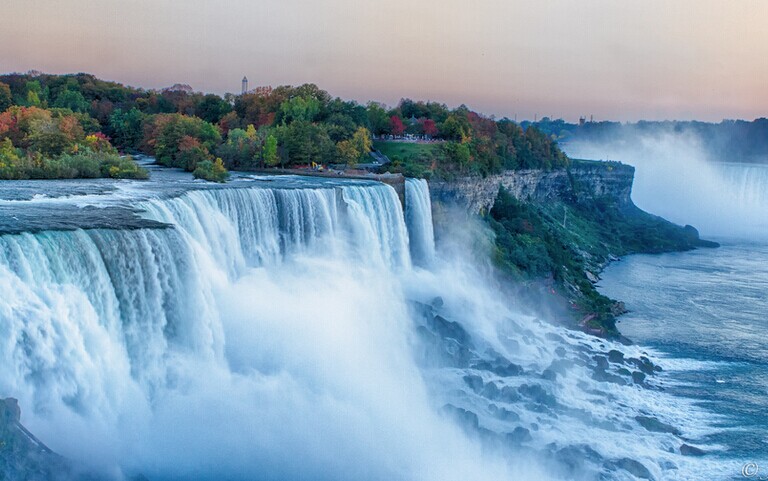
(378, 121)
(299, 109)
(240, 148)
(72, 100)
(396, 126)
(212, 108)
(6, 99)
(361, 140)
(455, 128)
(347, 153)
(429, 127)
(163, 134)
(126, 128)
(211, 171)
(304, 142)
(269, 151)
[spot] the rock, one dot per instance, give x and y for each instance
(575, 457)
(474, 382)
(602, 362)
(616, 357)
(10, 412)
(503, 414)
(538, 394)
(509, 394)
(466, 419)
(490, 391)
(510, 369)
(437, 302)
(560, 351)
(451, 330)
(592, 277)
(519, 435)
(603, 376)
(688, 450)
(554, 337)
(549, 375)
(22, 455)
(656, 426)
(633, 467)
(638, 377)
(560, 366)
(644, 365)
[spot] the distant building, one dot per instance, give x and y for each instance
(582, 120)
(245, 85)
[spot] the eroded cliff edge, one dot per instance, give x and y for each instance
(555, 230)
(583, 181)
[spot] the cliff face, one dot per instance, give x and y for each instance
(582, 181)
(22, 455)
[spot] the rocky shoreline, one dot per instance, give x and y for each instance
(563, 227)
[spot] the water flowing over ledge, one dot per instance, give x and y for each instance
(272, 325)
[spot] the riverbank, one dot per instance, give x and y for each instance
(555, 231)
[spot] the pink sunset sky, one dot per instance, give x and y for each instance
(619, 60)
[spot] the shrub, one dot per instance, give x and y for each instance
(211, 171)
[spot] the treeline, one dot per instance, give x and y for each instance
(285, 126)
(729, 140)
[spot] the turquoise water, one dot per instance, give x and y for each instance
(705, 313)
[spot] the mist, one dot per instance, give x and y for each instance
(680, 180)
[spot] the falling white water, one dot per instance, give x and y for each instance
(676, 179)
(418, 216)
(281, 334)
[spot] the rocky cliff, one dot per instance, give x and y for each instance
(22, 455)
(581, 181)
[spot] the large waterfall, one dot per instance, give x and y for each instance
(282, 333)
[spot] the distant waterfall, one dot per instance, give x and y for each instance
(418, 216)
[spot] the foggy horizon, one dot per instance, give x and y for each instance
(655, 61)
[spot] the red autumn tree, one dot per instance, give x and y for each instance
(429, 127)
(396, 126)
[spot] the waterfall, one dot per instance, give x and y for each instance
(676, 178)
(418, 216)
(280, 333)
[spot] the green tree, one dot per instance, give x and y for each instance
(269, 151)
(72, 100)
(211, 171)
(212, 108)
(304, 142)
(299, 109)
(378, 119)
(126, 128)
(6, 98)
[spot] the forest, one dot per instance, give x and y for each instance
(64, 126)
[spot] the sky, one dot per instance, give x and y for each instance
(614, 59)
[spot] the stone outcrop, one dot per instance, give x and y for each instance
(22, 455)
(581, 181)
